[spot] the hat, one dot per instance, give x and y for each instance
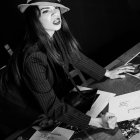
(55, 3)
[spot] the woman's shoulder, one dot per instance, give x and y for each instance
(33, 53)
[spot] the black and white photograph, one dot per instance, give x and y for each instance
(55, 57)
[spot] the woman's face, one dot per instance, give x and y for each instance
(50, 18)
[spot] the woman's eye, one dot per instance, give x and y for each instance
(45, 11)
(56, 7)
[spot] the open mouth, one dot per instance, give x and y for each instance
(57, 21)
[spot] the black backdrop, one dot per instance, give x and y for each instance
(104, 28)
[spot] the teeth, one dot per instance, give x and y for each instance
(56, 21)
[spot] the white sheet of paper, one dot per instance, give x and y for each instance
(126, 106)
(67, 133)
(58, 133)
(46, 136)
(37, 136)
(100, 103)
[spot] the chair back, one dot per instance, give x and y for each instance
(84, 81)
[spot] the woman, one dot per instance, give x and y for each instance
(44, 59)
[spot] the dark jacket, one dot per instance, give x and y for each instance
(44, 93)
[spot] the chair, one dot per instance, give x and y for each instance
(84, 81)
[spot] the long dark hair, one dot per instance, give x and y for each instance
(63, 41)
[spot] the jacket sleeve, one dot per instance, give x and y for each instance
(88, 66)
(36, 69)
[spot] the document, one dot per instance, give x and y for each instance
(67, 133)
(100, 103)
(126, 106)
(58, 133)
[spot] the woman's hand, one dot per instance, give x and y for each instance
(107, 121)
(119, 72)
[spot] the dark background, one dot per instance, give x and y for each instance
(104, 28)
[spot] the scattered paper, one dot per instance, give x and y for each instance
(67, 133)
(36, 136)
(58, 133)
(126, 106)
(100, 103)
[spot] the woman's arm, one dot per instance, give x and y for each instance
(96, 71)
(88, 66)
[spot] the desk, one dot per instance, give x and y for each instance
(119, 87)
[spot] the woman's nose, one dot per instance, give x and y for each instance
(56, 12)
